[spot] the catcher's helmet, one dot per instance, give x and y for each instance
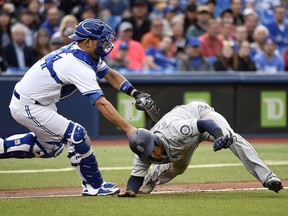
(95, 29)
(142, 143)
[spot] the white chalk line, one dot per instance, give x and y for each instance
(154, 192)
(68, 169)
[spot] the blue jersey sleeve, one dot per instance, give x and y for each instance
(94, 96)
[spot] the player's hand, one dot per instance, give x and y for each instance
(127, 194)
(223, 142)
(145, 102)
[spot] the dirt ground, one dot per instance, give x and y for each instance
(57, 192)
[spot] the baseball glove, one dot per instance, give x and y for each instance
(145, 102)
(223, 142)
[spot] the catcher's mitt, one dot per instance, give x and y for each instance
(145, 102)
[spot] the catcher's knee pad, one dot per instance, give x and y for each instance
(77, 135)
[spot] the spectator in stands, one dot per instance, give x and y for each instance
(27, 18)
(251, 20)
(5, 28)
(190, 16)
(236, 7)
(56, 43)
(211, 4)
(269, 62)
(115, 8)
(19, 56)
(34, 6)
(262, 5)
(278, 28)
(260, 34)
(193, 61)
(179, 39)
(211, 45)
(241, 35)
(139, 19)
(68, 21)
(153, 37)
(120, 61)
(245, 63)
(136, 55)
(202, 23)
(47, 5)
(41, 47)
(226, 27)
(52, 20)
(158, 59)
(168, 14)
(87, 12)
(176, 5)
(227, 60)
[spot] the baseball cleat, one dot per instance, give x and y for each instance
(147, 187)
(107, 188)
(108, 185)
(273, 183)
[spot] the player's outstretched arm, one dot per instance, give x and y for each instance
(110, 113)
(143, 101)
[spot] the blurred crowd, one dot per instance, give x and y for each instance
(154, 36)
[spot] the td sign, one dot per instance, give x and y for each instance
(273, 109)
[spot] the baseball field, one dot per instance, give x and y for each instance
(214, 184)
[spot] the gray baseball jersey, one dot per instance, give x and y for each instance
(178, 131)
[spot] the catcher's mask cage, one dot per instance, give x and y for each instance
(142, 143)
(96, 29)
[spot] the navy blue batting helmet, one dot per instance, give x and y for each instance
(142, 143)
(95, 29)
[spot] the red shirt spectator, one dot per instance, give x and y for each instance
(135, 55)
(211, 44)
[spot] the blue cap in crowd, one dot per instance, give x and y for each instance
(123, 45)
(193, 41)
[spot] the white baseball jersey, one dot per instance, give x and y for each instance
(38, 85)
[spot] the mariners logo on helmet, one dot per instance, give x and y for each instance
(140, 148)
(185, 130)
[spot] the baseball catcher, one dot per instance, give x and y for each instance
(77, 66)
(171, 143)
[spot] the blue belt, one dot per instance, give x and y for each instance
(17, 95)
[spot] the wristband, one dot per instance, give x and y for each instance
(127, 88)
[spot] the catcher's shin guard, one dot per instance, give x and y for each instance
(81, 155)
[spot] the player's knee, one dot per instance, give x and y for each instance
(178, 170)
(77, 135)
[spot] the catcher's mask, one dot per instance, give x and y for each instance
(142, 143)
(98, 30)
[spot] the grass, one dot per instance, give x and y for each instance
(260, 203)
(203, 203)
